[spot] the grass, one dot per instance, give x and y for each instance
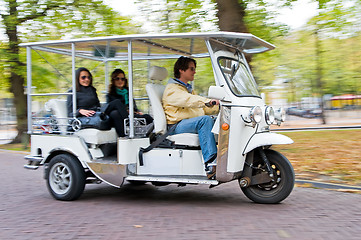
(15, 147)
(332, 155)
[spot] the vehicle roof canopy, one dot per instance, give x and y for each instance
(152, 46)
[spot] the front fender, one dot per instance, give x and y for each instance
(266, 139)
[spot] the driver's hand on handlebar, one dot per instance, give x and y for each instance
(212, 102)
(87, 113)
(215, 102)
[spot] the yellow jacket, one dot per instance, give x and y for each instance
(179, 104)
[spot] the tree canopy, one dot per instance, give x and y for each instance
(36, 20)
(325, 49)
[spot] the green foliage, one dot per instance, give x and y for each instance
(339, 35)
(52, 20)
(177, 15)
(4, 83)
(72, 18)
(204, 77)
(293, 61)
(260, 22)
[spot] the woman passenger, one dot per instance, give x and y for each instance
(87, 101)
(119, 95)
(88, 104)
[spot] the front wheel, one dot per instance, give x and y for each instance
(283, 181)
(66, 177)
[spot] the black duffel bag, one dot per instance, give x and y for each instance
(98, 121)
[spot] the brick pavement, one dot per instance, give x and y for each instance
(193, 212)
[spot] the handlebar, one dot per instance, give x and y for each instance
(211, 103)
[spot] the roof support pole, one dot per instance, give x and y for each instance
(130, 82)
(73, 78)
(28, 89)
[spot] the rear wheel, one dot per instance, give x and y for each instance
(66, 177)
(283, 181)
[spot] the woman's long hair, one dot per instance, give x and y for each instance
(77, 76)
(113, 76)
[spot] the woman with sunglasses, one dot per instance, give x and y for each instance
(87, 101)
(118, 97)
(88, 104)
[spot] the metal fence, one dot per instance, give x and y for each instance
(7, 120)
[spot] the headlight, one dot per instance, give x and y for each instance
(280, 115)
(269, 115)
(256, 114)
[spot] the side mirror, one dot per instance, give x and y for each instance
(219, 93)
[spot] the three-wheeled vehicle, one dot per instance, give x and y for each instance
(73, 156)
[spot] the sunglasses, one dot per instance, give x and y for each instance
(86, 77)
(118, 78)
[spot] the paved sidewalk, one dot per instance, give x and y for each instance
(7, 135)
(333, 119)
(170, 212)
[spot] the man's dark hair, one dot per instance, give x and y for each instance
(182, 64)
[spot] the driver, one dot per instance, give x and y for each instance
(182, 105)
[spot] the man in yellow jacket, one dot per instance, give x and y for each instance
(182, 105)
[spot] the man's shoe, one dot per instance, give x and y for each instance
(211, 174)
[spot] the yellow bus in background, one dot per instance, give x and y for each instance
(346, 101)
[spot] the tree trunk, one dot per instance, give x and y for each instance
(319, 75)
(231, 15)
(17, 89)
(16, 80)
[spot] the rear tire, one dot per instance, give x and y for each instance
(66, 177)
(278, 190)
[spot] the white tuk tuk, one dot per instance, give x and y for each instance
(73, 156)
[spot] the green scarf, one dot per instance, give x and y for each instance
(123, 92)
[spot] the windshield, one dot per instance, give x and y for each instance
(238, 77)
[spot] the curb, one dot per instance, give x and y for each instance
(327, 185)
(315, 128)
(15, 151)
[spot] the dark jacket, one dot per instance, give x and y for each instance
(111, 96)
(86, 98)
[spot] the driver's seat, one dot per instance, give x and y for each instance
(155, 93)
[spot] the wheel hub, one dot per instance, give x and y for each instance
(60, 178)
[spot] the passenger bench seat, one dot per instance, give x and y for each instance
(90, 135)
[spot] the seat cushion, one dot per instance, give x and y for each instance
(155, 93)
(189, 139)
(60, 112)
(95, 136)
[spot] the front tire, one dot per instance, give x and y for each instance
(66, 177)
(277, 190)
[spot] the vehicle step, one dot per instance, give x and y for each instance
(33, 162)
(34, 158)
(105, 161)
(173, 179)
(31, 167)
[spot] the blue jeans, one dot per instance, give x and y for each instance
(203, 127)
